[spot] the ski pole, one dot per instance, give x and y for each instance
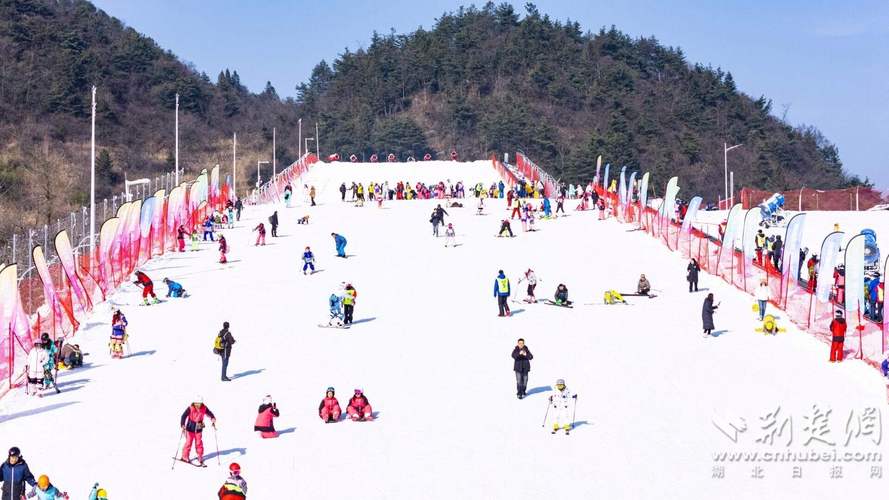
(574, 415)
(545, 415)
(216, 439)
(178, 444)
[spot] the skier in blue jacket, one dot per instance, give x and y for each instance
(14, 473)
(336, 310)
(340, 245)
(547, 208)
(308, 260)
(501, 291)
(174, 289)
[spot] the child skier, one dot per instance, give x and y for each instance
(174, 289)
(46, 491)
(770, 326)
(260, 236)
(329, 409)
(308, 260)
(531, 278)
(180, 237)
(481, 206)
(502, 292)
(560, 404)
(359, 408)
(223, 249)
(234, 487)
(264, 424)
(98, 493)
(643, 287)
(195, 239)
(505, 227)
(335, 302)
(147, 285)
(118, 334)
(450, 236)
(37, 357)
(192, 424)
(561, 295)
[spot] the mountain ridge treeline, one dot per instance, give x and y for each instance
(480, 80)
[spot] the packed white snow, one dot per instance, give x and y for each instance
(656, 401)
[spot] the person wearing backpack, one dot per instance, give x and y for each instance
(223, 347)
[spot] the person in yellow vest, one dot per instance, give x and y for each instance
(613, 187)
(349, 304)
(361, 192)
(614, 297)
(502, 291)
(370, 191)
(770, 326)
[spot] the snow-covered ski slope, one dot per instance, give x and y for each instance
(433, 358)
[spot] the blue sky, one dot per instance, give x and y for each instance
(824, 63)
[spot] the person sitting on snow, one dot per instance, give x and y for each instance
(561, 295)
(770, 326)
(329, 409)
(359, 407)
(614, 297)
(644, 286)
(174, 289)
(264, 424)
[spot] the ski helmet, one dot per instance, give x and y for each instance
(44, 337)
(198, 399)
(267, 400)
(358, 392)
(15, 452)
(839, 313)
(225, 324)
(561, 381)
(234, 467)
(101, 494)
(331, 389)
(43, 482)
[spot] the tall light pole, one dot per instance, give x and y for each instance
(235, 163)
(258, 177)
(317, 143)
(93, 177)
(307, 144)
(299, 139)
(177, 138)
(725, 150)
(274, 154)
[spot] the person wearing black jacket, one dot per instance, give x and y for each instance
(692, 275)
(440, 214)
(227, 342)
(238, 207)
(343, 191)
(707, 314)
(521, 366)
(14, 473)
(273, 221)
(777, 252)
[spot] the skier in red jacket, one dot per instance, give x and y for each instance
(329, 409)
(838, 330)
(359, 407)
(192, 424)
(147, 285)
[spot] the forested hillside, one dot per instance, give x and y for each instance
(54, 51)
(489, 80)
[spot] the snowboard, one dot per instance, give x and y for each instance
(344, 327)
(552, 303)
